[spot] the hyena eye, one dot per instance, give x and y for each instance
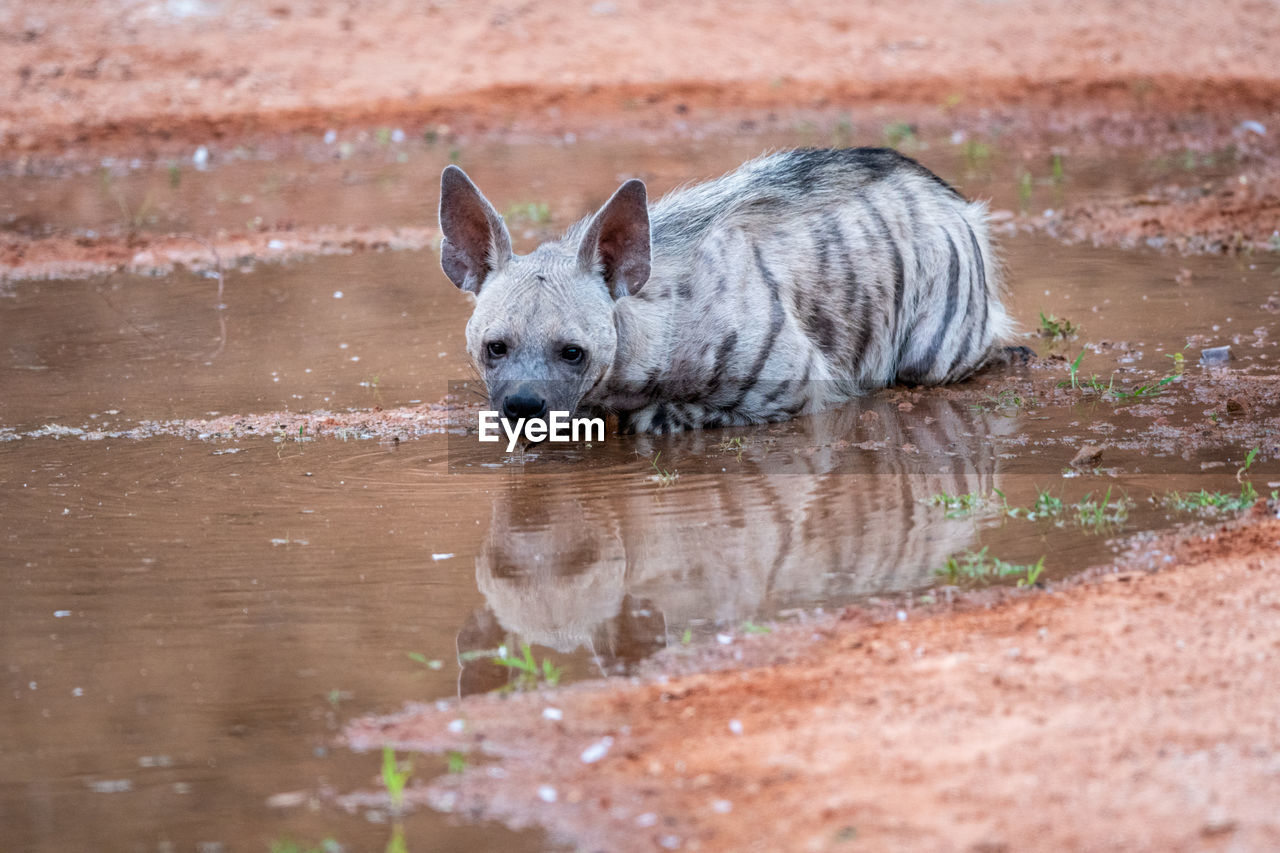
(496, 349)
(573, 354)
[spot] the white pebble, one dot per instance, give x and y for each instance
(201, 157)
(330, 137)
(337, 294)
(721, 806)
(724, 639)
(275, 245)
(646, 820)
(456, 726)
(547, 794)
(735, 726)
(61, 614)
(597, 750)
(438, 557)
(552, 714)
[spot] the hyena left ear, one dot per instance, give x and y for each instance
(616, 242)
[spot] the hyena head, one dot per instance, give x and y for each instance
(542, 332)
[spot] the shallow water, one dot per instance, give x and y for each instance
(189, 621)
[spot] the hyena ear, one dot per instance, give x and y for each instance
(616, 242)
(476, 243)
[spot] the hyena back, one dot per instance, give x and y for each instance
(798, 281)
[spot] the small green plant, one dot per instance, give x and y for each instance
(1072, 372)
(1212, 502)
(750, 627)
(457, 761)
(533, 213)
(959, 506)
(842, 133)
(1045, 506)
(1108, 391)
(732, 445)
(135, 219)
(687, 637)
(1033, 574)
(1056, 170)
(1025, 187)
(1248, 463)
(1215, 502)
(1057, 328)
(980, 566)
(1151, 389)
(528, 673)
(976, 155)
(662, 475)
(1104, 514)
(1179, 362)
(175, 176)
(288, 845)
(395, 775)
(899, 133)
(428, 663)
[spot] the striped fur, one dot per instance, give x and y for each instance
(796, 282)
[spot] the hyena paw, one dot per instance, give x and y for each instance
(657, 419)
(1012, 356)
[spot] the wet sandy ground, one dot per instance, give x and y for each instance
(1125, 712)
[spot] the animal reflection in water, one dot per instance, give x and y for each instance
(619, 567)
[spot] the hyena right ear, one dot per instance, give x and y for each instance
(476, 243)
(616, 243)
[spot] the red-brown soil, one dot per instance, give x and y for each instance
(76, 73)
(1131, 710)
(146, 79)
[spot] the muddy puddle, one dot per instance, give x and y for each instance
(189, 620)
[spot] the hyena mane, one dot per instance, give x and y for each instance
(799, 280)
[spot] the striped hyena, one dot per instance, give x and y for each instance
(800, 280)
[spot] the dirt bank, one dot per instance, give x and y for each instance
(1128, 711)
(75, 74)
(146, 80)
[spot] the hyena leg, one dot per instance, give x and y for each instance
(663, 418)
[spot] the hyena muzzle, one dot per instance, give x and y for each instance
(798, 281)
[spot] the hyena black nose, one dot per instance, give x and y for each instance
(523, 405)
